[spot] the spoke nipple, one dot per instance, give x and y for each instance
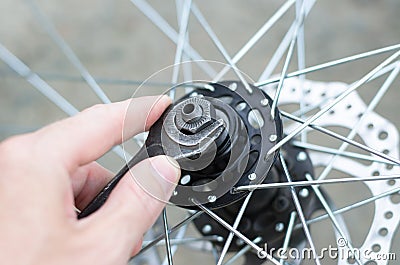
(264, 102)
(302, 156)
(279, 227)
(233, 86)
(206, 229)
(209, 87)
(304, 193)
(273, 137)
(252, 176)
(212, 198)
(239, 242)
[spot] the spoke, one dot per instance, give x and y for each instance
(219, 45)
(256, 37)
(300, 12)
(187, 67)
(288, 234)
(383, 71)
(344, 139)
(354, 205)
(102, 80)
(235, 226)
(333, 151)
(332, 217)
(188, 240)
(36, 81)
(374, 102)
(315, 182)
(236, 232)
(241, 252)
(181, 44)
(300, 211)
(301, 61)
(173, 229)
(66, 49)
(299, 23)
(273, 62)
(163, 25)
(332, 104)
(177, 241)
(128, 82)
(166, 234)
(331, 64)
(49, 92)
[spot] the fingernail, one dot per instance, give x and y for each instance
(168, 172)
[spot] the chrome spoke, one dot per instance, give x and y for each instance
(173, 229)
(236, 232)
(219, 45)
(178, 240)
(242, 252)
(299, 23)
(49, 92)
(300, 211)
(344, 139)
(334, 221)
(331, 64)
(333, 151)
(301, 60)
(288, 235)
(166, 234)
(101, 80)
(307, 109)
(354, 205)
(374, 102)
(187, 67)
(181, 44)
(163, 25)
(67, 50)
(235, 226)
(256, 37)
(332, 104)
(36, 81)
(303, 183)
(188, 240)
(273, 62)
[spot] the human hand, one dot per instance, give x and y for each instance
(45, 173)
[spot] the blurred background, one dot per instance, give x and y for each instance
(120, 47)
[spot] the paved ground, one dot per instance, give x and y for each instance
(114, 40)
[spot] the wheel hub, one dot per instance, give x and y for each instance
(268, 212)
(239, 154)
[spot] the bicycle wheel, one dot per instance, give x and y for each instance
(78, 54)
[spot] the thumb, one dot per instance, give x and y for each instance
(137, 201)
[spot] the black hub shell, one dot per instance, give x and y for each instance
(232, 99)
(269, 207)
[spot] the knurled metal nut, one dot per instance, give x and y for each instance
(197, 124)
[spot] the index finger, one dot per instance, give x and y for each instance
(87, 136)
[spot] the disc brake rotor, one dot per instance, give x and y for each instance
(374, 131)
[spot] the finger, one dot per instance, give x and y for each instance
(137, 201)
(87, 181)
(87, 136)
(137, 247)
